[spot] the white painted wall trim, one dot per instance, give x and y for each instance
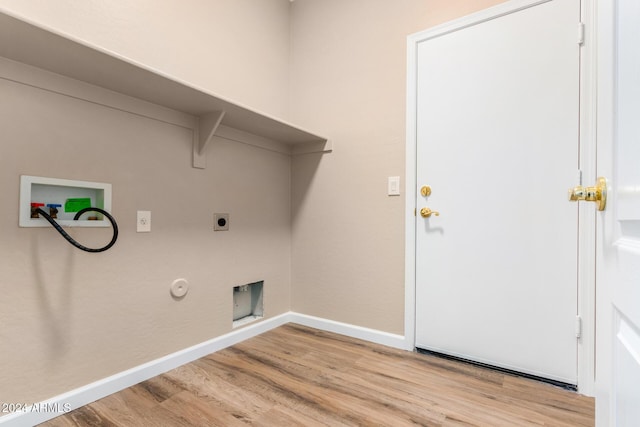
(353, 331)
(411, 192)
(606, 40)
(488, 14)
(586, 218)
(586, 277)
(99, 389)
(43, 411)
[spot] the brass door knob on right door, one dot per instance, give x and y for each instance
(426, 213)
(597, 193)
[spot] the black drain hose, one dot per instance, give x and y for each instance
(75, 218)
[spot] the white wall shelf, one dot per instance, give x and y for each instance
(50, 50)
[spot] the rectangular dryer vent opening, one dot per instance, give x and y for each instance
(247, 303)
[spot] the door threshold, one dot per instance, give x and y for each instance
(563, 385)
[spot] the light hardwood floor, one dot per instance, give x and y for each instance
(299, 376)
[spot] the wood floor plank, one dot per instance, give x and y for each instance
(299, 376)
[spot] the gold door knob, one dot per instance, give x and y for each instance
(597, 193)
(426, 213)
(425, 191)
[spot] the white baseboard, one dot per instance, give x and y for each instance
(51, 408)
(371, 335)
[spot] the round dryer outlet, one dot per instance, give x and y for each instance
(220, 222)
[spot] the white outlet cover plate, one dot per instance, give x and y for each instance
(143, 222)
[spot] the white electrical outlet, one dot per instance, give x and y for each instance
(144, 222)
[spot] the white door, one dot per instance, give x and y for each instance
(618, 227)
(497, 142)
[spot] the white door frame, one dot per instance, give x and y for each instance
(606, 386)
(586, 218)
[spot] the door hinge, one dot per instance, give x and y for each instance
(580, 33)
(578, 327)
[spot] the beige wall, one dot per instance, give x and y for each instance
(70, 318)
(348, 81)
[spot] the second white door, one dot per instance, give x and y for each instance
(497, 142)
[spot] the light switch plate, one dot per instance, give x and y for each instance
(143, 222)
(394, 186)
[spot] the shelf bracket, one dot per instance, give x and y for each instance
(206, 128)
